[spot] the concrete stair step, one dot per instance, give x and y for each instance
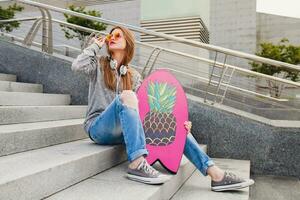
(22, 137)
(10, 86)
(8, 77)
(25, 114)
(269, 187)
(36, 99)
(198, 186)
(111, 184)
(39, 173)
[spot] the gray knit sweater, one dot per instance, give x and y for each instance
(99, 96)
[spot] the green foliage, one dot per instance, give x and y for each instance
(9, 13)
(282, 52)
(81, 35)
(161, 97)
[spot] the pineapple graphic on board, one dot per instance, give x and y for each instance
(160, 124)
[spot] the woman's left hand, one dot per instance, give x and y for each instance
(188, 126)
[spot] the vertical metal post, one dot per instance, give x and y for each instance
(44, 31)
(155, 58)
(146, 65)
(220, 79)
(210, 77)
(227, 83)
(67, 51)
(32, 32)
(50, 32)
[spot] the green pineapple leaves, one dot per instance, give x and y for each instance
(161, 97)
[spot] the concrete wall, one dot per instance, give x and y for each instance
(272, 150)
(169, 9)
(128, 12)
(272, 28)
(233, 26)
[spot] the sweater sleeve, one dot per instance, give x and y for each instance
(86, 62)
(137, 80)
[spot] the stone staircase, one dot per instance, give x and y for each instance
(45, 154)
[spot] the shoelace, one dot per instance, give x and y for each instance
(233, 176)
(148, 168)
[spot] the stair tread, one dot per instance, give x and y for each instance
(33, 98)
(269, 187)
(198, 186)
(31, 93)
(112, 184)
(20, 83)
(41, 106)
(8, 77)
(14, 114)
(39, 125)
(24, 164)
(4, 74)
(11, 86)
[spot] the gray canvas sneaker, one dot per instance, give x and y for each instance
(230, 182)
(145, 173)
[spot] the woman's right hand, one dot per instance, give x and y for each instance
(99, 41)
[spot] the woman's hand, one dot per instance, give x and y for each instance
(188, 126)
(99, 41)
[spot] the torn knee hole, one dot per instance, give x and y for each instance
(130, 102)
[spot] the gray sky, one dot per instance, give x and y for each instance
(289, 8)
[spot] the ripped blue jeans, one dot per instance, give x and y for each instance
(121, 124)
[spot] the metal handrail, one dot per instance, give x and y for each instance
(19, 19)
(36, 44)
(174, 70)
(176, 52)
(168, 37)
(246, 71)
(205, 60)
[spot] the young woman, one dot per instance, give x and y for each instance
(112, 116)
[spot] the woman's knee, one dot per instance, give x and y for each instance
(129, 98)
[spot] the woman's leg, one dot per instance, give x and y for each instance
(196, 155)
(221, 180)
(106, 128)
(133, 132)
(121, 117)
(120, 123)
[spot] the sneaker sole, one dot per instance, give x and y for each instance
(233, 186)
(152, 181)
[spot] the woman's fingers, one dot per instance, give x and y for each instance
(99, 41)
(187, 126)
(188, 123)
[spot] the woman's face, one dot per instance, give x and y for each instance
(117, 41)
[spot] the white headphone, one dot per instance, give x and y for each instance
(123, 70)
(113, 65)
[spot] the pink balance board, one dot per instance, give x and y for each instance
(163, 110)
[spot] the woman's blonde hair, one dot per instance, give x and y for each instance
(109, 77)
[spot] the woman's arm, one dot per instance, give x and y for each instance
(87, 61)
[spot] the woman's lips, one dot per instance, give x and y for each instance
(110, 43)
